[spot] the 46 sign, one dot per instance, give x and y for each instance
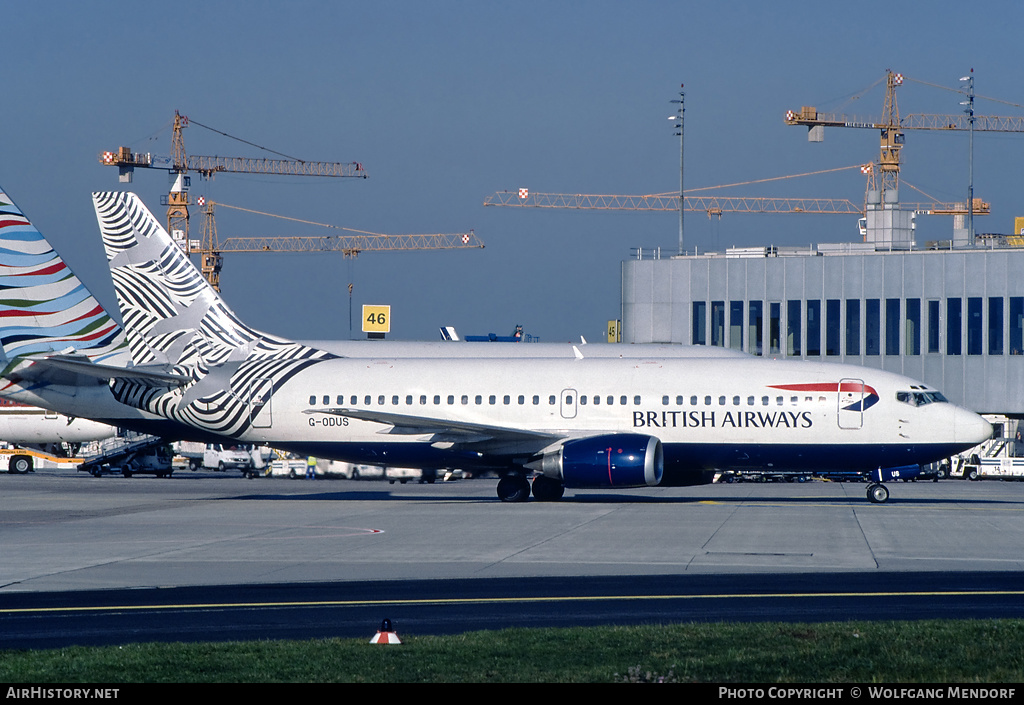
(376, 319)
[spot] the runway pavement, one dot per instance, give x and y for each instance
(62, 531)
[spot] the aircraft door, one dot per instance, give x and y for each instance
(851, 403)
(568, 403)
(260, 407)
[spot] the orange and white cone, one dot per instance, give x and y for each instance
(385, 635)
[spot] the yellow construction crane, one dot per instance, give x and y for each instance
(891, 127)
(350, 245)
(180, 164)
(711, 205)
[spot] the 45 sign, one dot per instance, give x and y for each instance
(376, 319)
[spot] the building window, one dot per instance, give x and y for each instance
(833, 327)
(892, 326)
(793, 328)
(975, 326)
(736, 325)
(774, 328)
(1016, 325)
(872, 327)
(700, 323)
(995, 325)
(954, 311)
(813, 328)
(755, 326)
(912, 335)
(853, 326)
(718, 323)
(933, 326)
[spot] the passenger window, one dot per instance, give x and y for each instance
(366, 400)
(465, 398)
(353, 400)
(583, 400)
(693, 400)
(636, 400)
(312, 400)
(478, 399)
(380, 400)
(408, 399)
(552, 400)
(521, 400)
(622, 400)
(423, 399)
(437, 399)
(451, 398)
(327, 400)
(664, 400)
(610, 400)
(597, 399)
(536, 399)
(394, 400)
(341, 400)
(507, 400)
(679, 400)
(492, 400)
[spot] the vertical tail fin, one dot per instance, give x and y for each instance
(44, 307)
(171, 315)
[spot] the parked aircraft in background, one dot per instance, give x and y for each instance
(25, 425)
(579, 422)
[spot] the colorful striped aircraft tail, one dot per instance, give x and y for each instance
(44, 308)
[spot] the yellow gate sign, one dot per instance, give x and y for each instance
(376, 319)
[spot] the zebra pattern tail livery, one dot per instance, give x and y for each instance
(172, 317)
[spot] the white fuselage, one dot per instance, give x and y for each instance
(708, 413)
(27, 425)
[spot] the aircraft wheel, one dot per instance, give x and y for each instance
(546, 489)
(513, 488)
(878, 493)
(20, 464)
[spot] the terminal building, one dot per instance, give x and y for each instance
(950, 314)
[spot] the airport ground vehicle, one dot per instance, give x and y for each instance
(19, 461)
(220, 456)
(131, 455)
(997, 458)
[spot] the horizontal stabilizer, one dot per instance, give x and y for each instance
(151, 376)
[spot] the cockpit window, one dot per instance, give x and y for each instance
(920, 398)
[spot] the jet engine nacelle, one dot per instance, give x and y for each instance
(613, 460)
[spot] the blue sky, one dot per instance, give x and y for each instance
(446, 102)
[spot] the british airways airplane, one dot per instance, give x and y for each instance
(579, 422)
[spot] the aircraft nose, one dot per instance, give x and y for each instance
(971, 428)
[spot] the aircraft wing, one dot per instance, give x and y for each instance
(457, 431)
(68, 369)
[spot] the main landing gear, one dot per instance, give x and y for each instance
(516, 488)
(877, 493)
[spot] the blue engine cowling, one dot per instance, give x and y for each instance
(613, 460)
